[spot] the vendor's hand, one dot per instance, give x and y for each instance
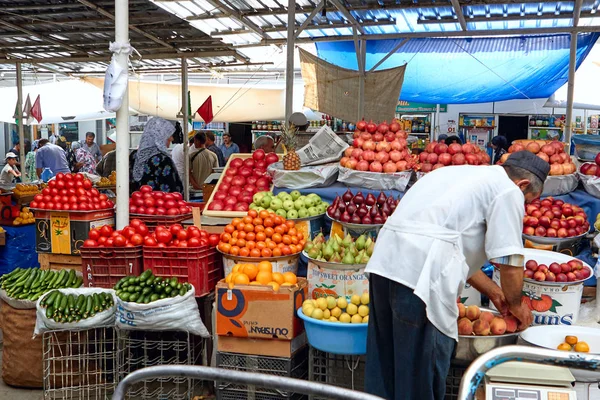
(497, 297)
(523, 314)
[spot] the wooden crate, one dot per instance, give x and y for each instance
(59, 261)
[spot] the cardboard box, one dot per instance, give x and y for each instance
(260, 312)
(63, 232)
(261, 347)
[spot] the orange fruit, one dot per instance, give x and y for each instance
(268, 222)
(287, 239)
(225, 247)
(250, 236)
(241, 243)
(286, 250)
(277, 238)
(228, 277)
(271, 245)
(241, 235)
(265, 266)
(274, 285)
(234, 251)
(572, 340)
(244, 252)
(233, 241)
(255, 253)
(277, 251)
(278, 277)
(290, 277)
(290, 224)
(564, 347)
(264, 277)
(236, 268)
(252, 213)
(269, 232)
(261, 245)
(235, 234)
(277, 220)
(266, 253)
(241, 279)
(251, 270)
(225, 237)
(240, 226)
(229, 228)
(293, 231)
(235, 221)
(286, 284)
(279, 229)
(249, 228)
(255, 283)
(257, 221)
(259, 228)
(263, 214)
(250, 244)
(300, 236)
(260, 236)
(582, 347)
(247, 220)
(294, 240)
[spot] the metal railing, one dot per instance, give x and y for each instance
(249, 378)
(474, 375)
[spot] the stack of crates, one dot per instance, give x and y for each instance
(343, 371)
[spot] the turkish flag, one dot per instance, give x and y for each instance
(205, 111)
(36, 110)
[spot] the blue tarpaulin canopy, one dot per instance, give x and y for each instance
(470, 70)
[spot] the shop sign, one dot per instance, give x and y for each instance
(411, 106)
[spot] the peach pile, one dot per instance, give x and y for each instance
(473, 321)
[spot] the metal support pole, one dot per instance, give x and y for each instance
(20, 118)
(436, 128)
(122, 36)
(585, 117)
(184, 127)
(289, 67)
(571, 88)
(361, 79)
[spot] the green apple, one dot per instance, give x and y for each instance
(276, 204)
(298, 204)
(322, 208)
(258, 197)
(326, 204)
(287, 197)
(309, 202)
(259, 209)
(281, 195)
(295, 194)
(316, 198)
(312, 211)
(302, 198)
(288, 205)
(281, 212)
(266, 201)
(252, 206)
(302, 212)
(292, 214)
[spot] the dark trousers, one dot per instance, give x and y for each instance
(407, 357)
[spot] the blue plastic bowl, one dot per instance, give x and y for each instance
(335, 337)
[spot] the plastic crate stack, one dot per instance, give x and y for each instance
(338, 370)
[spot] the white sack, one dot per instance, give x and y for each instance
(317, 176)
(591, 184)
(375, 181)
(556, 185)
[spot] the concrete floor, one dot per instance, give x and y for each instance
(12, 393)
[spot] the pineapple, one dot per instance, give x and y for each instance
(291, 159)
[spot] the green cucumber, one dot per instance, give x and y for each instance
(57, 300)
(154, 297)
(146, 290)
(63, 304)
(173, 282)
(31, 279)
(71, 302)
(89, 306)
(77, 283)
(125, 296)
(134, 297)
(49, 312)
(145, 275)
(96, 299)
(61, 276)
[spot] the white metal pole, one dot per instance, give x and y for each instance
(289, 67)
(571, 88)
(361, 79)
(20, 118)
(436, 128)
(585, 117)
(122, 36)
(184, 127)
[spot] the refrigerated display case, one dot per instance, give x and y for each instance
(478, 129)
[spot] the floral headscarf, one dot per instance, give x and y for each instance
(153, 142)
(75, 145)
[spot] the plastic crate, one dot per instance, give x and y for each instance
(152, 221)
(200, 266)
(104, 267)
(346, 371)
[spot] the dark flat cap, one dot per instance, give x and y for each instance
(529, 161)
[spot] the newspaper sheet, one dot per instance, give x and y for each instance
(324, 147)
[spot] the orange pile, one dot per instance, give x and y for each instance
(261, 234)
(260, 274)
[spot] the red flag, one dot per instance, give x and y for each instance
(36, 110)
(205, 111)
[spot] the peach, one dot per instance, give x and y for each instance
(486, 316)
(462, 310)
(498, 326)
(511, 324)
(465, 327)
(481, 328)
(473, 313)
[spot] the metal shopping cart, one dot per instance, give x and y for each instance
(248, 378)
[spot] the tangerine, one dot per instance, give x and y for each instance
(225, 247)
(251, 270)
(290, 277)
(241, 235)
(229, 228)
(244, 252)
(274, 285)
(293, 231)
(277, 238)
(564, 347)
(264, 277)
(241, 243)
(247, 220)
(225, 237)
(240, 226)
(251, 236)
(255, 253)
(271, 245)
(250, 244)
(266, 253)
(260, 236)
(277, 252)
(241, 279)
(279, 229)
(235, 234)
(261, 245)
(265, 266)
(287, 239)
(278, 277)
(236, 268)
(268, 222)
(255, 283)
(263, 214)
(249, 228)
(582, 347)
(228, 278)
(236, 221)
(269, 232)
(234, 251)
(572, 340)
(253, 213)
(259, 228)
(257, 221)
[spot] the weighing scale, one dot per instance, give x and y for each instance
(528, 381)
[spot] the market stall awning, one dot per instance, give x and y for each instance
(473, 70)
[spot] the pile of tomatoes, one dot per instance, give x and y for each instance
(137, 234)
(71, 192)
(149, 202)
(261, 234)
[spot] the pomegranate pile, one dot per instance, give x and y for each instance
(554, 218)
(571, 271)
(358, 209)
(242, 179)
(552, 152)
(474, 322)
(378, 148)
(591, 168)
(437, 155)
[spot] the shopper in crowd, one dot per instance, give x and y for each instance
(228, 147)
(108, 163)
(91, 147)
(53, 138)
(151, 163)
(30, 174)
(442, 138)
(266, 143)
(85, 160)
(16, 149)
(202, 162)
(453, 139)
(69, 153)
(9, 172)
(500, 146)
(210, 145)
(178, 156)
(444, 229)
(50, 156)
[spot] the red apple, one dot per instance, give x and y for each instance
(543, 268)
(561, 277)
(529, 274)
(555, 268)
(540, 231)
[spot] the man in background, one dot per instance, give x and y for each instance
(50, 156)
(210, 145)
(92, 147)
(228, 147)
(177, 154)
(202, 162)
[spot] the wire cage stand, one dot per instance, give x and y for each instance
(294, 367)
(79, 364)
(339, 370)
(140, 349)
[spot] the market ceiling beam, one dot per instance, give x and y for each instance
(340, 6)
(496, 18)
(309, 19)
(60, 6)
(577, 12)
(388, 55)
(459, 14)
(41, 37)
(236, 15)
(281, 28)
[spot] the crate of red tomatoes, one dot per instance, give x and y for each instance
(186, 253)
(158, 208)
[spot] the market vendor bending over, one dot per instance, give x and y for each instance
(444, 229)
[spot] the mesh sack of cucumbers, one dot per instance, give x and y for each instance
(22, 287)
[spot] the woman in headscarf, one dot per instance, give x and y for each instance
(500, 145)
(151, 164)
(85, 161)
(30, 174)
(69, 153)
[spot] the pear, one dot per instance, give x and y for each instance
(347, 240)
(370, 249)
(352, 249)
(348, 259)
(328, 251)
(313, 253)
(368, 242)
(364, 259)
(319, 238)
(319, 246)
(336, 258)
(308, 246)
(336, 246)
(360, 242)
